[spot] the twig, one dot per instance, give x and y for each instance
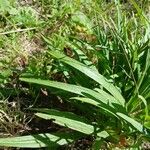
(18, 30)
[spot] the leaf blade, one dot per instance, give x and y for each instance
(39, 140)
(66, 119)
(90, 73)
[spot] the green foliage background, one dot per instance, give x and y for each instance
(83, 65)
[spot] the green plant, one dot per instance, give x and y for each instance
(106, 84)
(103, 101)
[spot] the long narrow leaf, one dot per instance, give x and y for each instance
(105, 102)
(40, 140)
(90, 73)
(69, 120)
(134, 123)
(92, 102)
(66, 119)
